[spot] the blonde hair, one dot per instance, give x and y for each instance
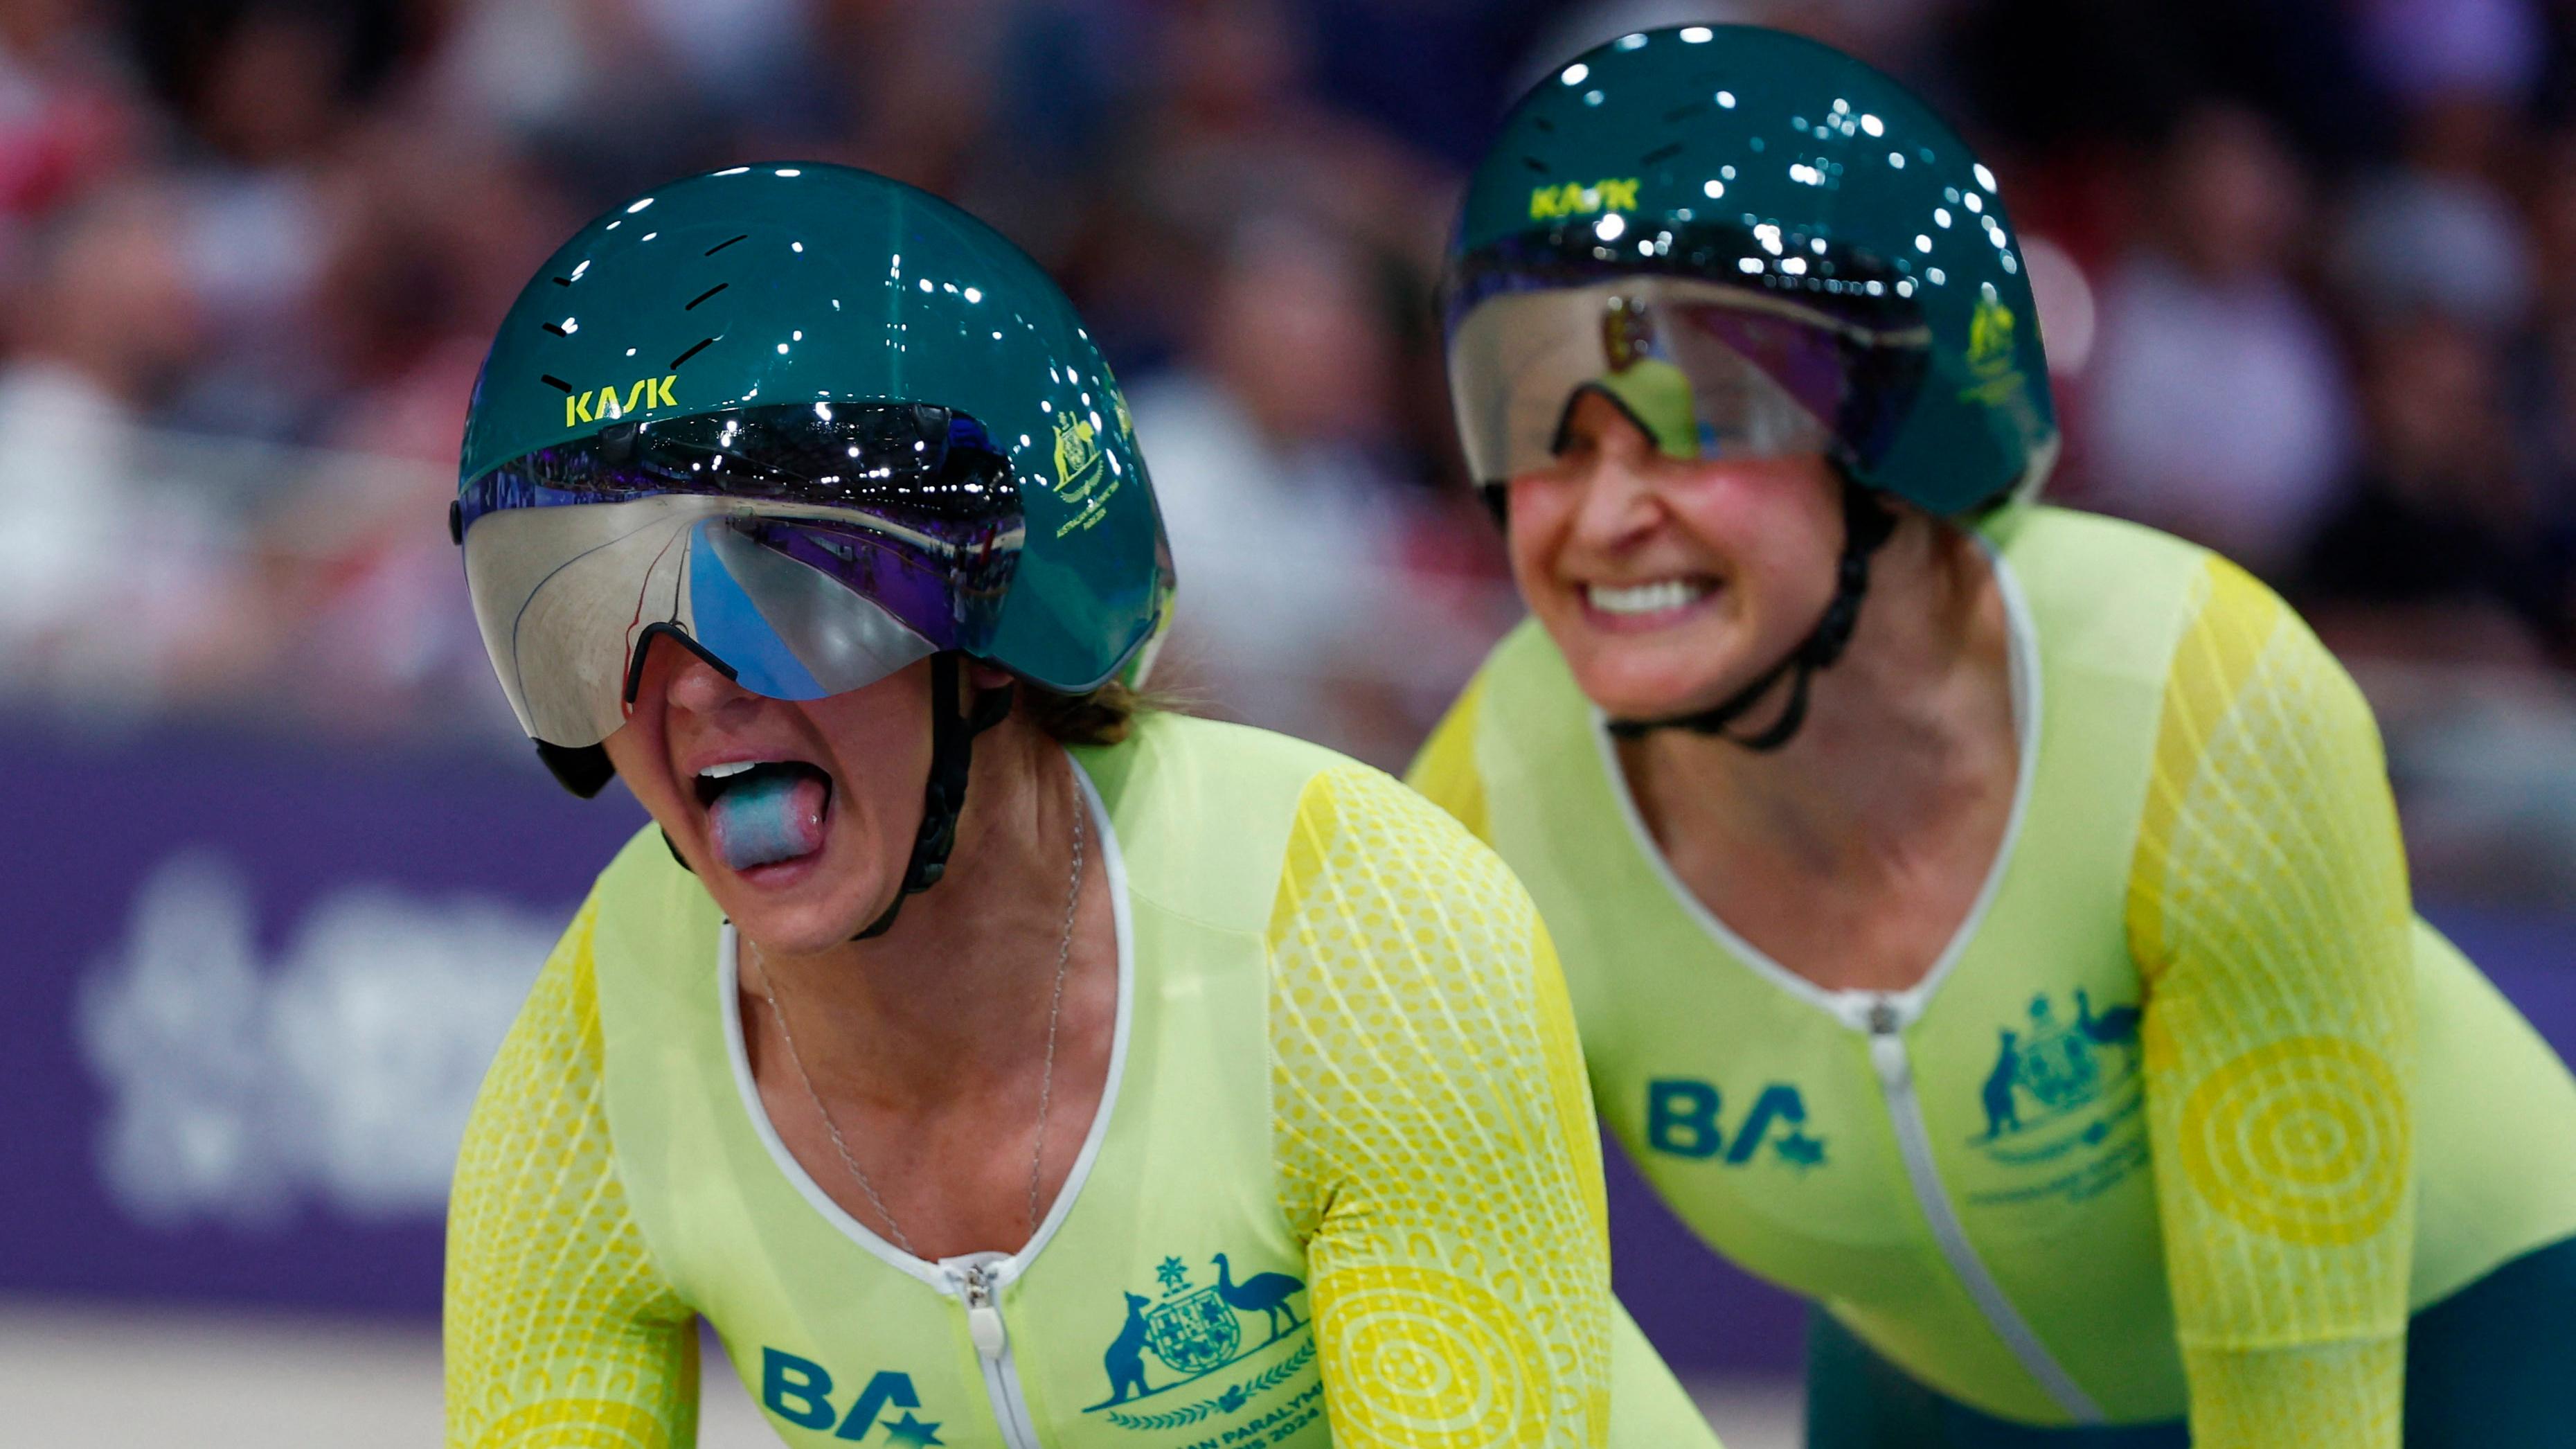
(1094, 717)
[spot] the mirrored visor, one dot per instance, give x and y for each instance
(1707, 368)
(806, 549)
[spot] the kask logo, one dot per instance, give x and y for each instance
(1547, 203)
(799, 1391)
(603, 406)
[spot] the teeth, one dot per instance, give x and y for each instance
(726, 772)
(1652, 598)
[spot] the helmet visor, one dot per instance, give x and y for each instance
(1707, 368)
(806, 550)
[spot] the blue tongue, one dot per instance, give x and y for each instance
(773, 816)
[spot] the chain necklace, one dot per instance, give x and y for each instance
(1046, 1081)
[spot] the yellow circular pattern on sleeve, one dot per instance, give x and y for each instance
(1421, 1359)
(2303, 1139)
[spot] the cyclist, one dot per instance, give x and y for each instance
(1986, 920)
(988, 1061)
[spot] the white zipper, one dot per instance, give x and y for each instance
(980, 1289)
(1886, 1026)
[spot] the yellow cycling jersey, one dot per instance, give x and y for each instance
(1343, 1186)
(2191, 1111)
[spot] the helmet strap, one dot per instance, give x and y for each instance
(943, 797)
(1867, 526)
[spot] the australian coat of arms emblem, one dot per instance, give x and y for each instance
(1191, 1330)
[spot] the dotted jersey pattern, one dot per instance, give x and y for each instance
(1433, 1133)
(2269, 914)
(560, 1331)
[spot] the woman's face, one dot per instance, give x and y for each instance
(803, 851)
(1671, 585)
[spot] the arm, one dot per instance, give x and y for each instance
(1434, 1134)
(560, 1331)
(2269, 914)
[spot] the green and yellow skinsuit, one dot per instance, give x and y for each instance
(2192, 1112)
(1342, 1188)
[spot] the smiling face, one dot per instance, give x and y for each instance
(1670, 585)
(797, 815)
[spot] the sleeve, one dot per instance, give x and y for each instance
(1434, 1134)
(2269, 914)
(560, 1331)
(1446, 771)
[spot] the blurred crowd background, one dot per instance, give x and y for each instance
(283, 866)
(2307, 275)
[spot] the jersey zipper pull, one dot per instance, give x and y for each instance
(1887, 1045)
(984, 1314)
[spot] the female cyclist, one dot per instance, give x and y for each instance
(2017, 961)
(1134, 1081)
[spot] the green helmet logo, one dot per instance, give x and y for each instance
(1817, 259)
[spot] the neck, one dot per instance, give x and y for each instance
(955, 997)
(1906, 729)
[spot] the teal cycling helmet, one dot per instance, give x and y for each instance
(814, 425)
(1754, 245)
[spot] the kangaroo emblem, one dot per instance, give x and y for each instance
(1125, 1359)
(2001, 1115)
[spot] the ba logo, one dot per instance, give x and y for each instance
(1547, 203)
(799, 1391)
(1199, 1329)
(1682, 1121)
(1077, 455)
(643, 394)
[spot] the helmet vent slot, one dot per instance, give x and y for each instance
(720, 246)
(702, 296)
(1535, 164)
(692, 352)
(552, 381)
(1660, 154)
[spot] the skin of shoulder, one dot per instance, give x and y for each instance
(1431, 1125)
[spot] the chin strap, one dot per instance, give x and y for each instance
(943, 798)
(1866, 527)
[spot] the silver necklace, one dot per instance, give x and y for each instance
(1046, 1081)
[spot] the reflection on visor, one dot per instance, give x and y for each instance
(808, 551)
(1708, 369)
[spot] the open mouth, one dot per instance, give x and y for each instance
(765, 812)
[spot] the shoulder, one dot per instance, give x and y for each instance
(1203, 811)
(1515, 728)
(654, 927)
(2105, 596)
(2245, 657)
(1379, 882)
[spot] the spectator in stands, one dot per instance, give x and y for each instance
(1269, 446)
(2220, 409)
(2437, 549)
(102, 567)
